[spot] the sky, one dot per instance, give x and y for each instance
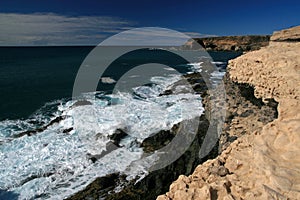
(88, 22)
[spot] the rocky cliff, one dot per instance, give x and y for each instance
(287, 35)
(230, 43)
(264, 161)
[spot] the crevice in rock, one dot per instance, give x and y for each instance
(287, 40)
(248, 93)
(243, 110)
(213, 194)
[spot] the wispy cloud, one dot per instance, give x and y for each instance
(152, 36)
(149, 36)
(54, 29)
(198, 35)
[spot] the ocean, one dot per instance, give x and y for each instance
(46, 137)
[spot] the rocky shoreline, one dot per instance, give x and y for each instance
(263, 160)
(241, 105)
(243, 164)
(158, 181)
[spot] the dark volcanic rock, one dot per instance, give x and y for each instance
(118, 135)
(41, 129)
(99, 188)
(112, 145)
(157, 141)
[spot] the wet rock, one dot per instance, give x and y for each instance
(99, 188)
(40, 129)
(110, 146)
(81, 103)
(68, 130)
(118, 135)
(158, 140)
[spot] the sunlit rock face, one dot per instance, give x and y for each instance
(262, 163)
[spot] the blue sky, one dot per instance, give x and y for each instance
(55, 22)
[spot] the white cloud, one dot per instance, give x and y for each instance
(152, 36)
(148, 36)
(54, 29)
(198, 35)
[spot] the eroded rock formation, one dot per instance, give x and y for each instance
(262, 163)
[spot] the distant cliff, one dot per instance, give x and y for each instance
(230, 43)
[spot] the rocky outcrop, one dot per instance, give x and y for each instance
(230, 43)
(263, 163)
(287, 35)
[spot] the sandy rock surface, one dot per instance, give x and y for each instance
(291, 34)
(263, 164)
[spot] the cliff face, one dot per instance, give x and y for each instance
(262, 163)
(231, 43)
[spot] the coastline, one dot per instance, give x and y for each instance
(230, 43)
(262, 163)
(248, 109)
(257, 95)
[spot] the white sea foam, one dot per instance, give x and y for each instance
(169, 69)
(196, 67)
(215, 76)
(107, 80)
(55, 164)
(134, 76)
(218, 63)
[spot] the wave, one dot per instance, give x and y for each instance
(107, 80)
(219, 63)
(54, 163)
(66, 144)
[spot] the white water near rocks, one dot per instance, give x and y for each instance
(53, 164)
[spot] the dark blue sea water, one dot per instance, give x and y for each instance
(33, 76)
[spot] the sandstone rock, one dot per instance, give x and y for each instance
(264, 163)
(291, 34)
